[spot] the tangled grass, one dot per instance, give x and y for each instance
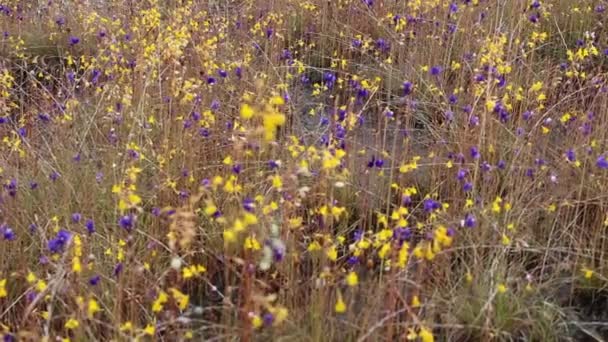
(304, 170)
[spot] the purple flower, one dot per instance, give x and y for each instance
(286, 54)
(530, 173)
(534, 18)
(383, 45)
(358, 235)
(11, 187)
(474, 121)
(215, 104)
(602, 162)
(407, 88)
(370, 163)
(76, 217)
(94, 280)
(7, 233)
(461, 174)
(183, 194)
(474, 152)
(453, 99)
(74, 40)
(278, 250)
(57, 244)
(248, 204)
(126, 222)
(44, 117)
(436, 70)
(329, 79)
(117, 269)
(269, 32)
(449, 115)
(273, 164)
(54, 176)
(99, 177)
(90, 225)
(431, 205)
(485, 166)
(268, 319)
(571, 155)
(401, 234)
(470, 221)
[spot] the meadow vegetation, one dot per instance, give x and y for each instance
(287, 170)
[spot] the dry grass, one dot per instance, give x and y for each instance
(304, 171)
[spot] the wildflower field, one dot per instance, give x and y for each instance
(288, 170)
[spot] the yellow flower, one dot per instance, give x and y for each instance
(426, 335)
(157, 306)
(229, 236)
(340, 306)
(415, 302)
(536, 86)
(332, 253)
(501, 288)
(256, 321)
(126, 326)
(252, 243)
(246, 112)
(411, 334)
(228, 160)
(383, 252)
(93, 308)
(469, 277)
(31, 278)
(271, 122)
(180, 298)
(490, 105)
(71, 324)
(3, 292)
(76, 266)
(505, 240)
(149, 330)
(352, 279)
(402, 257)
(210, 209)
(277, 183)
(313, 246)
(587, 272)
